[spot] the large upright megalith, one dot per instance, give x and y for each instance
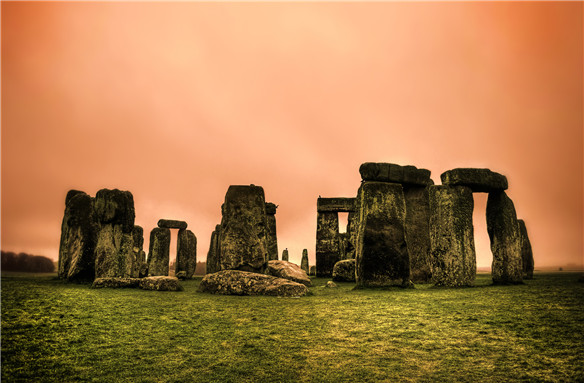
(213, 264)
(186, 254)
(327, 244)
(453, 257)
(114, 256)
(506, 240)
(526, 252)
(159, 253)
(140, 266)
(381, 252)
(271, 238)
(285, 255)
(243, 229)
(304, 262)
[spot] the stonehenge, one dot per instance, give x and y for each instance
(304, 262)
(329, 242)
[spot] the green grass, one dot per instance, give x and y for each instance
(58, 332)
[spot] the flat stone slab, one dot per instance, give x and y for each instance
(478, 180)
(160, 283)
(236, 282)
(385, 172)
(172, 224)
(338, 204)
(115, 283)
(288, 270)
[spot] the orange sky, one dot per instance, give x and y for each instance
(176, 101)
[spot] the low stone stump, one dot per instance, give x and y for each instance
(115, 283)
(344, 271)
(236, 282)
(160, 283)
(288, 270)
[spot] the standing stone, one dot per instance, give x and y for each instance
(381, 252)
(214, 254)
(452, 251)
(78, 238)
(186, 253)
(285, 256)
(505, 239)
(352, 233)
(327, 243)
(312, 271)
(526, 252)
(158, 256)
(271, 238)
(243, 229)
(418, 231)
(344, 246)
(140, 266)
(304, 262)
(114, 255)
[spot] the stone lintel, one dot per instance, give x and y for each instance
(339, 204)
(172, 224)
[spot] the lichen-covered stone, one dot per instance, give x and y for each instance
(243, 229)
(285, 255)
(345, 246)
(113, 252)
(452, 251)
(384, 172)
(213, 255)
(312, 271)
(158, 256)
(381, 253)
(115, 282)
(160, 283)
(344, 271)
(78, 238)
(288, 270)
(335, 205)
(172, 224)
(327, 243)
(506, 241)
(115, 207)
(526, 252)
(418, 232)
(186, 253)
(479, 180)
(271, 238)
(140, 265)
(236, 282)
(304, 261)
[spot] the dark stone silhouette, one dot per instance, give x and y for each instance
(243, 229)
(526, 252)
(140, 269)
(344, 271)
(186, 254)
(159, 253)
(418, 231)
(288, 270)
(285, 256)
(381, 253)
(384, 172)
(345, 246)
(172, 224)
(312, 271)
(453, 257)
(479, 180)
(304, 261)
(213, 255)
(327, 243)
(237, 282)
(271, 238)
(506, 240)
(335, 205)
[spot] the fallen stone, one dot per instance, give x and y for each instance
(186, 253)
(160, 283)
(304, 261)
(243, 229)
(344, 271)
(327, 243)
(116, 283)
(285, 256)
(381, 253)
(288, 270)
(271, 238)
(452, 251)
(158, 256)
(385, 172)
(236, 282)
(418, 232)
(506, 240)
(172, 224)
(479, 180)
(330, 285)
(526, 252)
(335, 205)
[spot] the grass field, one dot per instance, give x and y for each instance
(58, 332)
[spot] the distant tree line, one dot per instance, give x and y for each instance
(26, 263)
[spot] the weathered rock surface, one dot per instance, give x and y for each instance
(158, 256)
(78, 238)
(384, 172)
(288, 270)
(186, 254)
(418, 232)
(453, 257)
(344, 271)
(172, 224)
(115, 207)
(312, 271)
(345, 246)
(327, 243)
(115, 282)
(526, 252)
(243, 229)
(236, 282)
(334, 205)
(285, 256)
(140, 268)
(304, 261)
(479, 180)
(330, 285)
(381, 253)
(213, 255)
(271, 238)
(506, 241)
(160, 283)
